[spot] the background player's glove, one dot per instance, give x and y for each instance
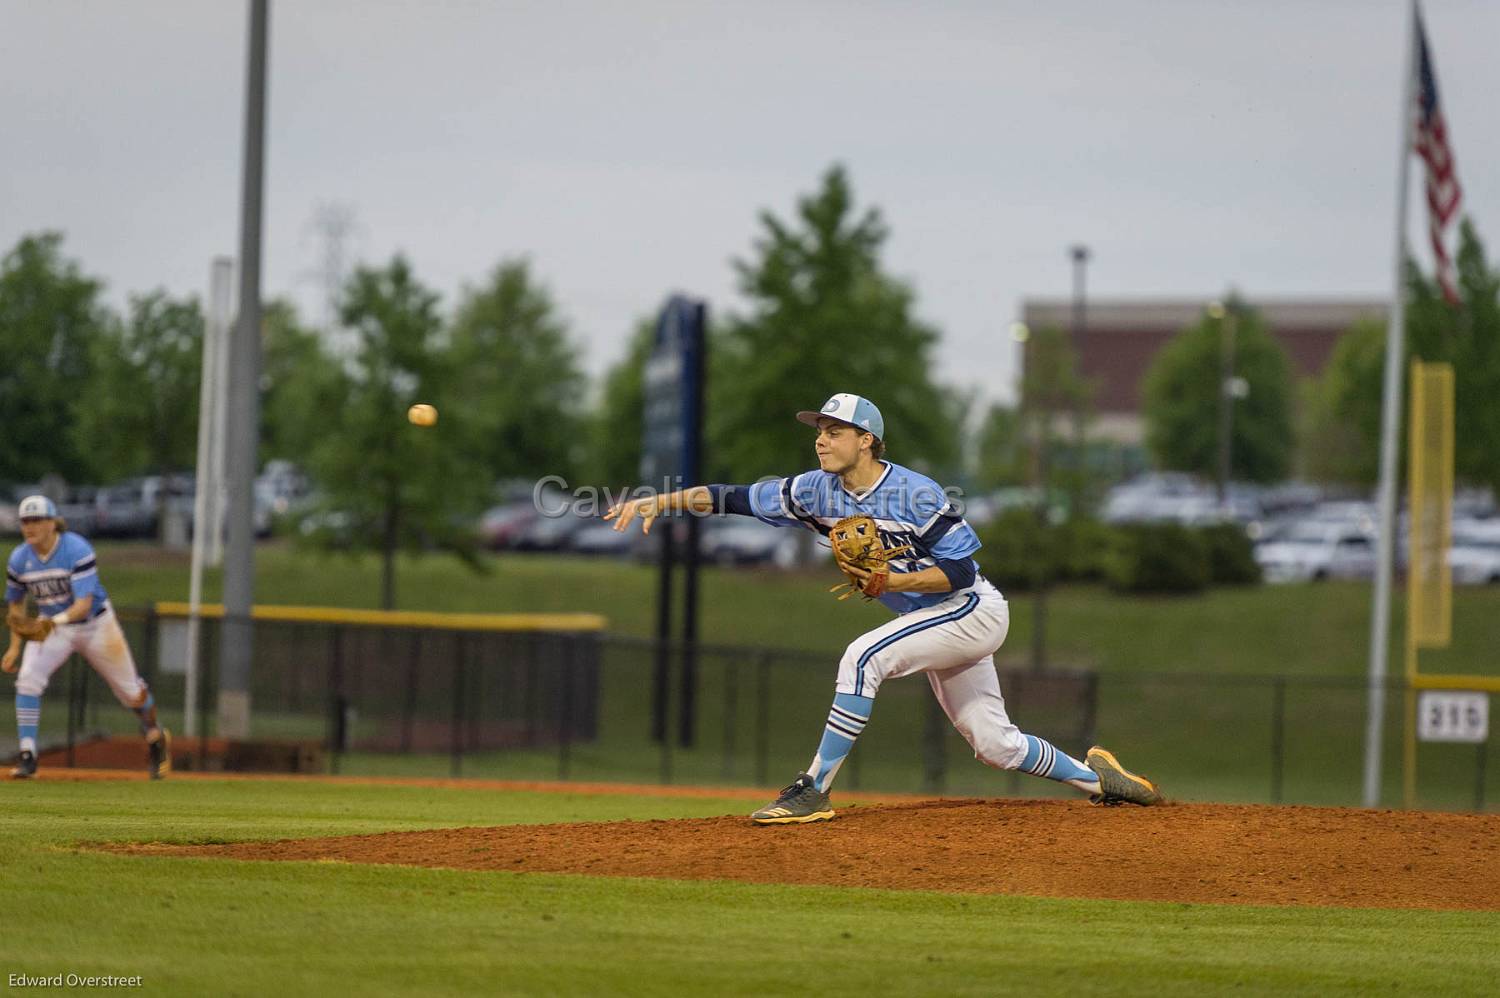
(30, 628)
(862, 556)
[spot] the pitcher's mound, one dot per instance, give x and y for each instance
(1193, 852)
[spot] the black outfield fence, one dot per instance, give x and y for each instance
(556, 697)
(388, 684)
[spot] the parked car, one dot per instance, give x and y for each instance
(134, 508)
(1289, 498)
(743, 540)
(1177, 498)
(502, 526)
(1474, 504)
(1314, 550)
(1474, 556)
(77, 507)
(281, 486)
(601, 538)
(550, 533)
(1362, 515)
(120, 511)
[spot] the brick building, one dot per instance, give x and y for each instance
(1120, 339)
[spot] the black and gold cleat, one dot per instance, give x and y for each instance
(798, 804)
(25, 766)
(1118, 785)
(160, 753)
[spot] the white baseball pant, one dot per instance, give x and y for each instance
(101, 643)
(954, 643)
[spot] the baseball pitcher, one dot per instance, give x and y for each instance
(58, 570)
(897, 538)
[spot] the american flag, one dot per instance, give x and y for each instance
(1443, 192)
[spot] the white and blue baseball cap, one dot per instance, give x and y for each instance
(36, 507)
(855, 410)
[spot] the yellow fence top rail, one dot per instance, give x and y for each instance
(402, 618)
(1451, 681)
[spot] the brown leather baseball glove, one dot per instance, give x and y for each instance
(862, 556)
(30, 628)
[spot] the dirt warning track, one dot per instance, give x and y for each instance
(1229, 854)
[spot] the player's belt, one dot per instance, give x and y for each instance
(98, 612)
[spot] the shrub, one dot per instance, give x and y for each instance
(1085, 544)
(1231, 556)
(1019, 551)
(1157, 558)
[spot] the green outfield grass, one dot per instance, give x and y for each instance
(224, 927)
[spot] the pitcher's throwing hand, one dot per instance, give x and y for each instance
(648, 509)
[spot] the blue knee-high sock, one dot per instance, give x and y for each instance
(144, 712)
(846, 719)
(28, 716)
(1043, 759)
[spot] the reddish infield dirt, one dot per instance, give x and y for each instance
(1216, 853)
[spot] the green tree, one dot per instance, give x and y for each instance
(1056, 409)
(1182, 400)
(1053, 396)
(823, 318)
(516, 377)
(144, 394)
(615, 432)
(1467, 337)
(1345, 447)
(301, 382)
(1001, 449)
(50, 317)
(1341, 422)
(400, 486)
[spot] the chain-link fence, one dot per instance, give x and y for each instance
(584, 706)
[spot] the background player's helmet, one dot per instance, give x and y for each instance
(33, 507)
(858, 412)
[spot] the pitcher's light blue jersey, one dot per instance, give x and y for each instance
(68, 573)
(908, 508)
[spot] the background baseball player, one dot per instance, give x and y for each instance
(951, 619)
(58, 570)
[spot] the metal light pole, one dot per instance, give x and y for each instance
(1230, 388)
(1036, 397)
(235, 652)
(1080, 255)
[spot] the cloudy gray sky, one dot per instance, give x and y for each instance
(627, 147)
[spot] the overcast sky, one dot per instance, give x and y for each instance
(627, 147)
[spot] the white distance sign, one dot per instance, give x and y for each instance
(1453, 716)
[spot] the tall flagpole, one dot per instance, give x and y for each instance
(1390, 421)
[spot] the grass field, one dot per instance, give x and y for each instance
(202, 926)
